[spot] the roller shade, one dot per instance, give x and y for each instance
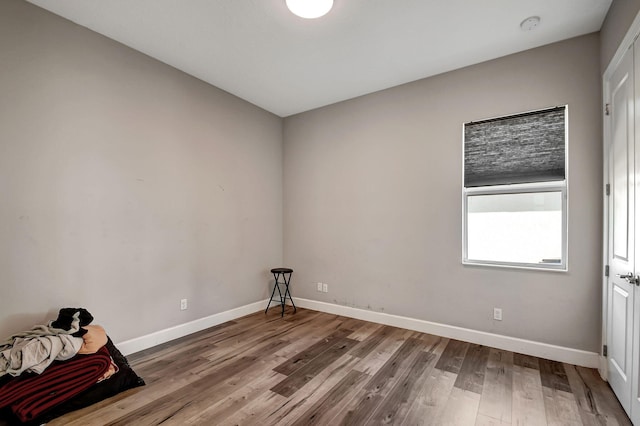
(521, 148)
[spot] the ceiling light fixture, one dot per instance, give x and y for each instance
(309, 9)
(530, 23)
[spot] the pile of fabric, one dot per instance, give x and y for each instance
(60, 367)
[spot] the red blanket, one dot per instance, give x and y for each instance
(29, 397)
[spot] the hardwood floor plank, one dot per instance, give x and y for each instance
(461, 408)
(254, 412)
(315, 390)
(297, 379)
(363, 374)
(605, 403)
(282, 411)
(528, 361)
(371, 342)
(367, 329)
(495, 401)
(395, 364)
(394, 407)
(352, 324)
(303, 358)
(553, 375)
(381, 384)
(428, 406)
(323, 328)
(325, 409)
(561, 408)
(177, 368)
(236, 401)
(471, 375)
(310, 335)
(583, 395)
(214, 396)
(483, 420)
(371, 363)
(411, 389)
(528, 400)
(453, 356)
(433, 343)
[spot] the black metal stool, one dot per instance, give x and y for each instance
(277, 273)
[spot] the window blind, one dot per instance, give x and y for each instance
(522, 148)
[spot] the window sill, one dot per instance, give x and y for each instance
(524, 266)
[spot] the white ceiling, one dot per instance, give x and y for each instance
(259, 51)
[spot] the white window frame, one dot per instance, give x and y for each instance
(558, 186)
(555, 186)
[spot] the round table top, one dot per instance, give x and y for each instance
(281, 270)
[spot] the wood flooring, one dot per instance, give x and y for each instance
(312, 368)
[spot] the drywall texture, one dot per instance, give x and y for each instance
(126, 185)
(373, 203)
(615, 26)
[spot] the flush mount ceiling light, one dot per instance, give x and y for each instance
(309, 9)
(530, 23)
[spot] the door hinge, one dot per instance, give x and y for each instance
(604, 350)
(606, 270)
(607, 189)
(606, 109)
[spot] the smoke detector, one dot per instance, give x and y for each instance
(530, 23)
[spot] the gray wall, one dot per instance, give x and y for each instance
(373, 204)
(618, 20)
(126, 185)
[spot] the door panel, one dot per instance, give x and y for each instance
(620, 293)
(635, 359)
(620, 168)
(618, 345)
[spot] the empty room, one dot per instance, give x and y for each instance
(279, 212)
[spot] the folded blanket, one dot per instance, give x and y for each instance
(30, 396)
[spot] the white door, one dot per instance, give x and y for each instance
(635, 368)
(621, 287)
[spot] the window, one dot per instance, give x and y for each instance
(515, 190)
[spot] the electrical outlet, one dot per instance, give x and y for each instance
(319, 287)
(497, 314)
(325, 287)
(183, 304)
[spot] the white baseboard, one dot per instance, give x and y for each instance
(528, 347)
(150, 340)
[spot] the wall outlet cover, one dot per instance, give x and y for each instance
(497, 314)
